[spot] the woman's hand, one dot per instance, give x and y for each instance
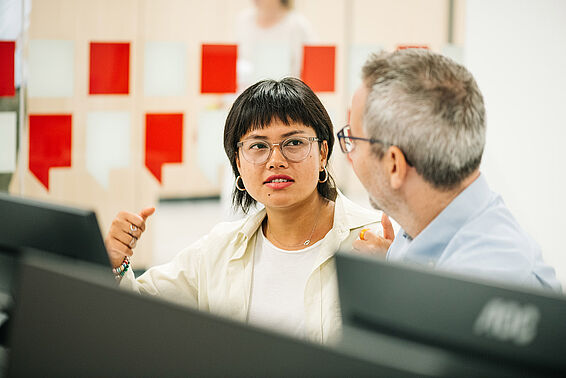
(373, 244)
(124, 233)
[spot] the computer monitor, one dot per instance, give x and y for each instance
(448, 323)
(69, 322)
(62, 230)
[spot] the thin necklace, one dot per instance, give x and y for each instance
(306, 242)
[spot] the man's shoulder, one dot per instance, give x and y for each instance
(496, 223)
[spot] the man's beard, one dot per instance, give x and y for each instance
(374, 204)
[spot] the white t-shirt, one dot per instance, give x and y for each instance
(278, 286)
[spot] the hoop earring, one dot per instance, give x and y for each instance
(237, 186)
(325, 176)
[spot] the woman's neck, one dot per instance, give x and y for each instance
(290, 228)
(267, 16)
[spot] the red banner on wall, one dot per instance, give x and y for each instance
(319, 64)
(163, 141)
(7, 49)
(49, 144)
(109, 68)
(218, 68)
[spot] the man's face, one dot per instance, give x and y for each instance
(367, 165)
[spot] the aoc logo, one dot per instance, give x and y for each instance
(507, 320)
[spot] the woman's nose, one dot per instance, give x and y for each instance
(276, 159)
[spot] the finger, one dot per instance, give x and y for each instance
(118, 247)
(123, 226)
(134, 219)
(145, 213)
(365, 247)
(375, 246)
(388, 232)
(370, 236)
(126, 239)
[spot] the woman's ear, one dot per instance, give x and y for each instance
(324, 153)
(237, 160)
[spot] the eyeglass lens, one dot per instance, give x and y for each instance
(293, 149)
(345, 141)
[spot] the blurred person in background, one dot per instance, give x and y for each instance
(270, 37)
(415, 141)
(274, 267)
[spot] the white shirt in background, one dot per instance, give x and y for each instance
(291, 33)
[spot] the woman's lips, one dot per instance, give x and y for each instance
(279, 181)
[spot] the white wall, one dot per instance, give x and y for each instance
(517, 52)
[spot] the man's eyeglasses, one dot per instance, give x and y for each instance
(345, 138)
(294, 149)
(347, 145)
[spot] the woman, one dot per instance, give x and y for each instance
(274, 267)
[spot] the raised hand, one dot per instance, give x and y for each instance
(124, 233)
(374, 244)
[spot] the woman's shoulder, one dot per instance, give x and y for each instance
(228, 233)
(350, 215)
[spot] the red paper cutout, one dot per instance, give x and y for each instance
(109, 68)
(163, 141)
(49, 144)
(7, 49)
(319, 64)
(404, 47)
(218, 68)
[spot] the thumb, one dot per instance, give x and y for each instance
(147, 212)
(388, 232)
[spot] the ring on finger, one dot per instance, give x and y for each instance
(363, 233)
(133, 242)
(133, 227)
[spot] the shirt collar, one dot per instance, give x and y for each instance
(347, 216)
(431, 242)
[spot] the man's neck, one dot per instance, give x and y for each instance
(424, 203)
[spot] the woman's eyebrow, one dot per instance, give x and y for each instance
(264, 137)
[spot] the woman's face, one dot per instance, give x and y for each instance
(278, 182)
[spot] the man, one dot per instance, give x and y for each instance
(415, 141)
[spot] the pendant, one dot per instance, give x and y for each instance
(307, 242)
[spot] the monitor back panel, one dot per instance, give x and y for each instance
(521, 327)
(52, 228)
(69, 325)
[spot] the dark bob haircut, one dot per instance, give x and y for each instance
(289, 101)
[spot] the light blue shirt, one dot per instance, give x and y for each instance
(477, 235)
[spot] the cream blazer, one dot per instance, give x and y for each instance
(214, 274)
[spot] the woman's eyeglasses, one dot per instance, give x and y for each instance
(294, 149)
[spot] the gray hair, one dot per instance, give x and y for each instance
(431, 108)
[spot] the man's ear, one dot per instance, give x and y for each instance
(396, 166)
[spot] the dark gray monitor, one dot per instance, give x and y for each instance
(63, 230)
(444, 324)
(69, 322)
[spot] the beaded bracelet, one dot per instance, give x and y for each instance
(122, 269)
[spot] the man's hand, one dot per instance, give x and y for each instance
(373, 244)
